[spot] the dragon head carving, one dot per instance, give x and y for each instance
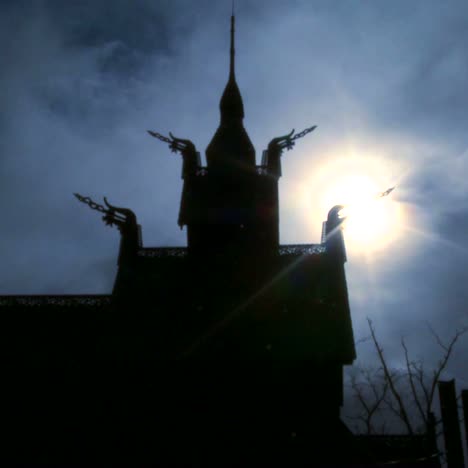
(182, 145)
(279, 143)
(118, 216)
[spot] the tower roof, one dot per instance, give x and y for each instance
(231, 146)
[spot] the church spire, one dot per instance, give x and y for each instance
(231, 142)
(231, 105)
(232, 51)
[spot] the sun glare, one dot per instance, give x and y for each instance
(373, 219)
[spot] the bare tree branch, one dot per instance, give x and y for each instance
(408, 393)
(443, 362)
(370, 404)
(403, 414)
(420, 375)
(410, 376)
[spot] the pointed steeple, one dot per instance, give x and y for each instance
(231, 144)
(231, 105)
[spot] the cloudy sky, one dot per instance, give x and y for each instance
(386, 83)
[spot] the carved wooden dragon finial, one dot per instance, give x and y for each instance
(334, 214)
(118, 216)
(181, 145)
(288, 141)
(126, 222)
(278, 144)
(112, 215)
(282, 142)
(186, 148)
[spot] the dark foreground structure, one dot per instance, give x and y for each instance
(228, 351)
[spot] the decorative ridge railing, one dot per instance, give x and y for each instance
(161, 252)
(180, 252)
(63, 300)
(301, 249)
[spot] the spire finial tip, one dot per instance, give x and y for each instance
(232, 51)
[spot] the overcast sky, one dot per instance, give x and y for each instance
(82, 81)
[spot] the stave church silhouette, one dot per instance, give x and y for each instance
(229, 351)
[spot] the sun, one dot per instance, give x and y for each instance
(373, 220)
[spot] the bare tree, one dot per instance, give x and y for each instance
(407, 394)
(370, 390)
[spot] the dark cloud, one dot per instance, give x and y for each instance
(81, 82)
